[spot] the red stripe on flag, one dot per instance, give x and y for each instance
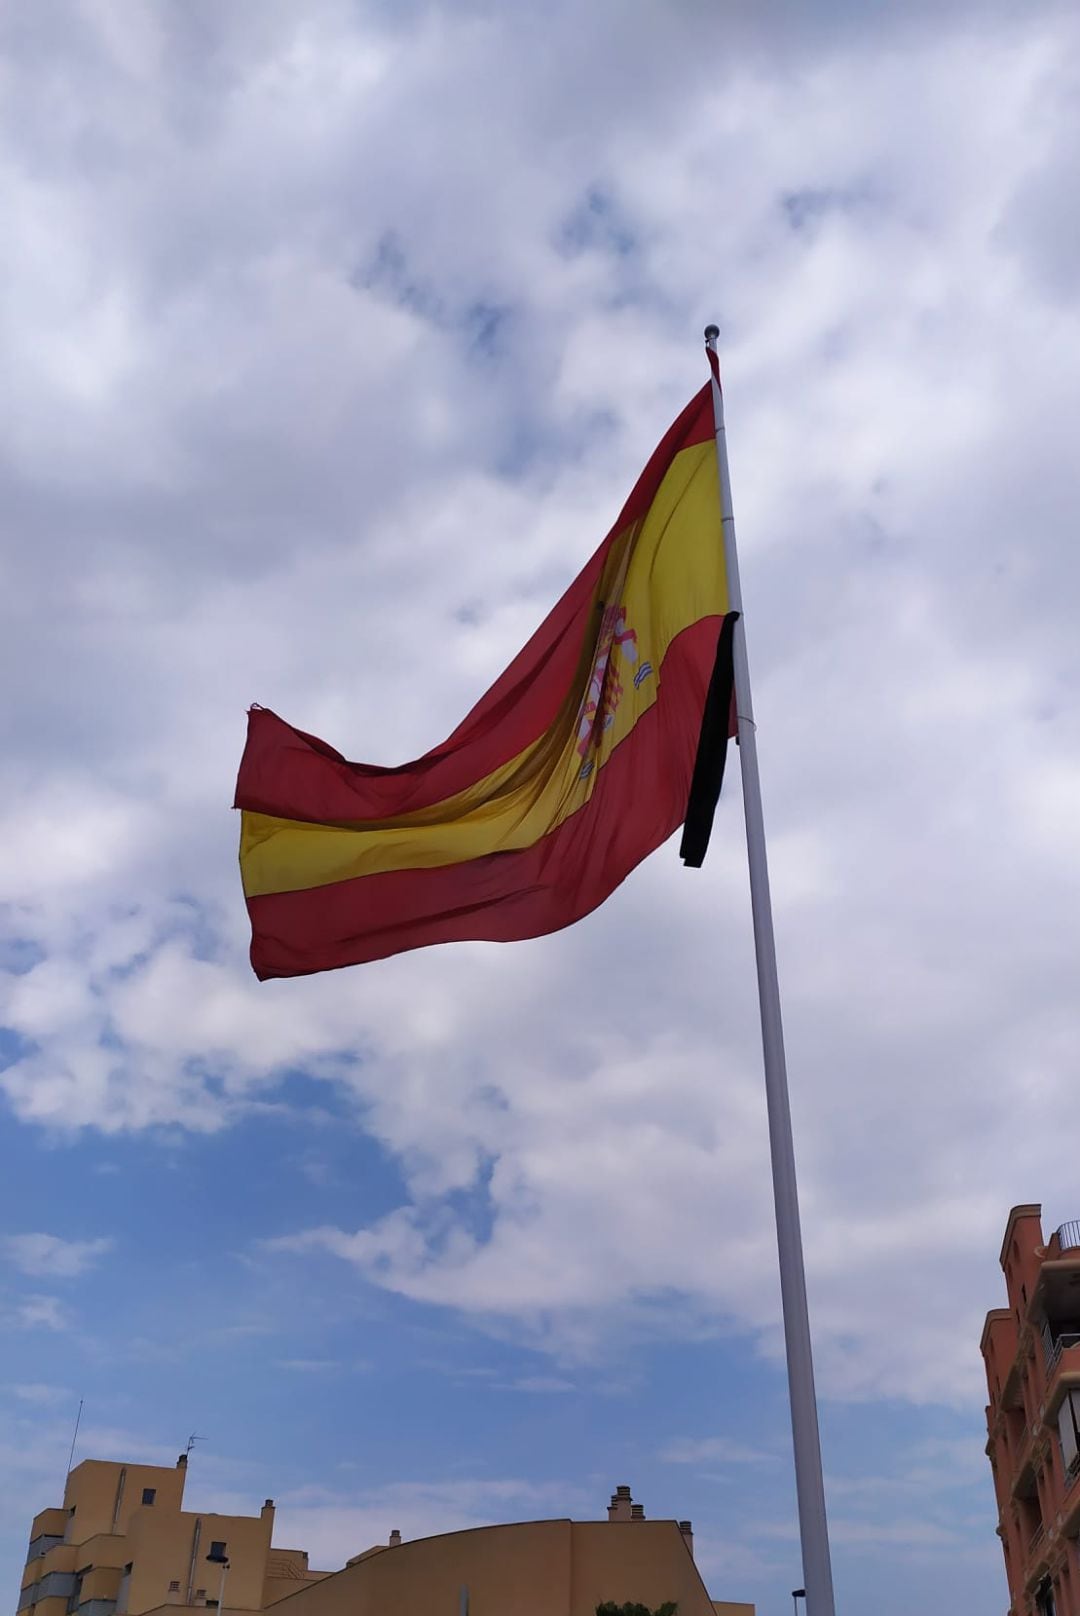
(639, 800)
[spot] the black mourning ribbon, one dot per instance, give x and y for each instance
(712, 751)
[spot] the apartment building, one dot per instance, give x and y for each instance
(1031, 1350)
(122, 1542)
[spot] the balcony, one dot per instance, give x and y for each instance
(41, 1545)
(51, 1521)
(1069, 1339)
(1039, 1552)
(1072, 1474)
(1062, 1374)
(53, 1585)
(1070, 1503)
(48, 1529)
(1010, 1391)
(1023, 1482)
(1068, 1236)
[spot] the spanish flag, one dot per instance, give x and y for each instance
(604, 734)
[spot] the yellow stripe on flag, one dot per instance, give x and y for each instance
(662, 575)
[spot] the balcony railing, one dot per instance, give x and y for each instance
(41, 1545)
(1069, 1235)
(1022, 1458)
(1036, 1538)
(1070, 1339)
(1072, 1474)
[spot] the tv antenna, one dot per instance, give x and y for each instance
(75, 1437)
(191, 1441)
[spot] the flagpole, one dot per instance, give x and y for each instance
(809, 1484)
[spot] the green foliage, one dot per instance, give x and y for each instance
(671, 1608)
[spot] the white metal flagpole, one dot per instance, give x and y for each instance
(810, 1487)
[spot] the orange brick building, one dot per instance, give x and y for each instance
(1031, 1350)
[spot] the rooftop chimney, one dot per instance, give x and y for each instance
(621, 1505)
(688, 1535)
(181, 1463)
(268, 1508)
(395, 1538)
(637, 1512)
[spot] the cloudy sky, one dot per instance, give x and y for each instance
(333, 337)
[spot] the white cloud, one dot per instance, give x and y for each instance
(41, 1313)
(905, 1533)
(712, 1449)
(40, 1394)
(52, 1257)
(545, 1384)
(309, 1366)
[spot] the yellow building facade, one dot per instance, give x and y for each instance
(122, 1544)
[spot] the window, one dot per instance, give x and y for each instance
(174, 1587)
(200, 1596)
(217, 1550)
(1044, 1598)
(149, 1494)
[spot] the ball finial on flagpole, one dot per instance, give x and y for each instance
(711, 333)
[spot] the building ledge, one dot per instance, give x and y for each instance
(1032, 1210)
(996, 1315)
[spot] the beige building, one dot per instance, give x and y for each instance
(123, 1542)
(123, 1545)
